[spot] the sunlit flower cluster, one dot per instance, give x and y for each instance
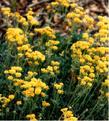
(64, 3)
(13, 73)
(5, 100)
(102, 36)
(93, 61)
(35, 57)
(104, 88)
(31, 117)
(20, 19)
(52, 44)
(6, 11)
(16, 35)
(45, 104)
(59, 87)
(33, 87)
(68, 115)
(52, 69)
(46, 31)
(31, 19)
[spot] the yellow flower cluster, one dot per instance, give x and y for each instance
(68, 115)
(47, 31)
(87, 74)
(33, 87)
(106, 83)
(30, 86)
(6, 100)
(100, 59)
(22, 50)
(77, 15)
(6, 11)
(93, 61)
(59, 87)
(54, 4)
(31, 117)
(16, 35)
(78, 47)
(52, 44)
(35, 57)
(104, 88)
(14, 72)
(103, 34)
(19, 102)
(20, 19)
(30, 74)
(31, 20)
(88, 21)
(52, 69)
(45, 104)
(64, 3)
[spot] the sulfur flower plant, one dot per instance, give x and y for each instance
(56, 68)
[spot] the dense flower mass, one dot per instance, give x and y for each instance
(31, 117)
(53, 55)
(47, 31)
(68, 115)
(16, 35)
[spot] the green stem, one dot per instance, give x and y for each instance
(77, 88)
(54, 106)
(92, 110)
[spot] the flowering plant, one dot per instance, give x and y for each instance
(52, 73)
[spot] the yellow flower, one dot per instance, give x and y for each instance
(16, 35)
(92, 75)
(89, 84)
(77, 20)
(54, 3)
(46, 30)
(11, 97)
(19, 102)
(31, 117)
(6, 11)
(43, 70)
(18, 75)
(30, 73)
(58, 85)
(34, 22)
(106, 83)
(50, 68)
(73, 5)
(38, 90)
(107, 94)
(64, 3)
(64, 109)
(54, 47)
(45, 104)
(71, 119)
(10, 77)
(60, 91)
(85, 36)
(20, 55)
(68, 115)
(43, 94)
(6, 71)
(12, 71)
